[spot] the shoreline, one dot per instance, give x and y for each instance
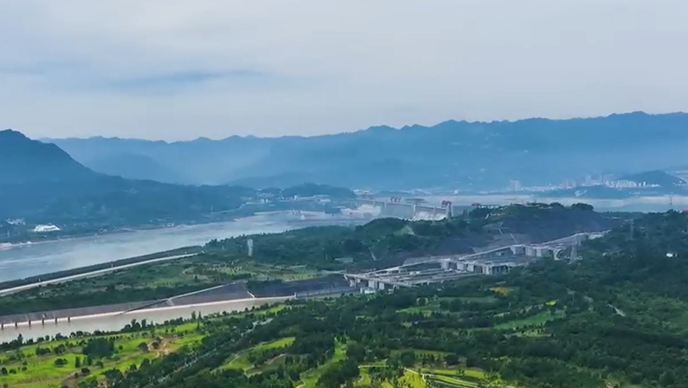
(93, 273)
(265, 300)
(6, 245)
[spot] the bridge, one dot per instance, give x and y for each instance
(411, 209)
(451, 267)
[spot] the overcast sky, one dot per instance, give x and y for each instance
(179, 69)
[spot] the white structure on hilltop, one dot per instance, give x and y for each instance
(249, 244)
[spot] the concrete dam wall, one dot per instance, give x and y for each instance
(376, 208)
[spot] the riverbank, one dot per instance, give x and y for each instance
(48, 237)
(120, 310)
(236, 291)
(216, 218)
(116, 321)
(60, 255)
(94, 270)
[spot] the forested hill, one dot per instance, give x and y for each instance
(617, 318)
(651, 253)
(392, 240)
(28, 161)
(40, 183)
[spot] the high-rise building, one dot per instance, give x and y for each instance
(515, 185)
(249, 245)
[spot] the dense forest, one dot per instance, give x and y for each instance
(616, 318)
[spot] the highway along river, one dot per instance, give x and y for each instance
(36, 259)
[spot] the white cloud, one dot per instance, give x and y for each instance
(272, 67)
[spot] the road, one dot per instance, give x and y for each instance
(99, 272)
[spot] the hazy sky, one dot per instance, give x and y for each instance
(178, 69)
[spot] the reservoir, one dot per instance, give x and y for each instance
(118, 321)
(46, 257)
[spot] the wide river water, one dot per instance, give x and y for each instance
(46, 257)
(35, 259)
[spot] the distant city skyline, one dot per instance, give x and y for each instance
(178, 70)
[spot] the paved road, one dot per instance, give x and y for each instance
(99, 272)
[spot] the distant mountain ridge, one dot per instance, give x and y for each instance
(456, 154)
(40, 182)
(134, 166)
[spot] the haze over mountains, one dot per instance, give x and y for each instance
(40, 183)
(452, 154)
(41, 180)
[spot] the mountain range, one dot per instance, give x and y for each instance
(40, 182)
(452, 154)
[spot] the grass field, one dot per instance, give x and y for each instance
(412, 379)
(260, 271)
(434, 305)
(241, 361)
(310, 378)
(535, 320)
(26, 368)
(502, 290)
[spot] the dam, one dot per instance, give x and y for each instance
(409, 208)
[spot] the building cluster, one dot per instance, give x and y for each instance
(607, 180)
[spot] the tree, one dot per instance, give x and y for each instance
(408, 358)
(451, 359)
(113, 376)
(77, 362)
(356, 352)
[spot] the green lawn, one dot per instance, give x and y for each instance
(260, 271)
(539, 319)
(241, 360)
(433, 305)
(41, 371)
(310, 378)
(280, 343)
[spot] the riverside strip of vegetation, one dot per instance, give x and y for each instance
(149, 282)
(617, 318)
(97, 267)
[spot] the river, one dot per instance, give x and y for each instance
(117, 322)
(46, 257)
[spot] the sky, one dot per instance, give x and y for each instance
(180, 69)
